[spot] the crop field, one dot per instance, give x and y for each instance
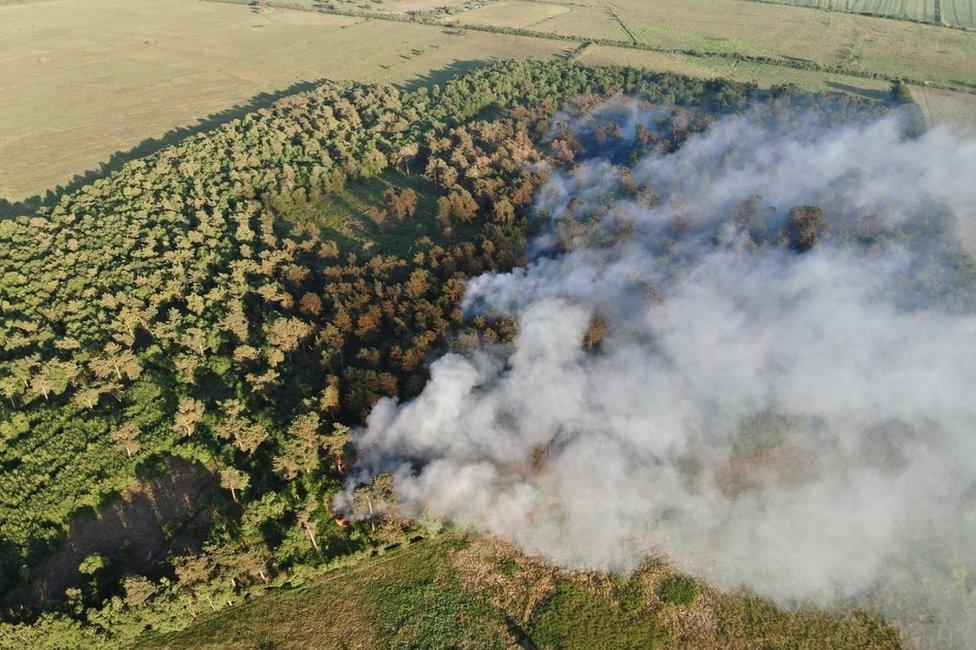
(83, 80)
(920, 10)
(910, 9)
(957, 13)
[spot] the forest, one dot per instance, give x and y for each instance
(189, 342)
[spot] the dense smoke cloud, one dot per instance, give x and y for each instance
(685, 382)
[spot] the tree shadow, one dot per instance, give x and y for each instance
(445, 74)
(149, 146)
(167, 513)
(869, 93)
(464, 66)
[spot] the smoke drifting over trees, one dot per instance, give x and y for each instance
(754, 355)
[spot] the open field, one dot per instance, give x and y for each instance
(84, 79)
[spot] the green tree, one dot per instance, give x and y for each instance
(234, 480)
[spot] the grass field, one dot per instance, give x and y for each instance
(83, 79)
(454, 592)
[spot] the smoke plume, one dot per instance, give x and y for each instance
(770, 396)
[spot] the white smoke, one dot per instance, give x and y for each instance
(800, 424)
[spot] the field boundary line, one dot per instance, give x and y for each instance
(611, 9)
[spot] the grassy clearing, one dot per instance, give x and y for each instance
(344, 217)
(85, 79)
(403, 6)
(459, 592)
(406, 598)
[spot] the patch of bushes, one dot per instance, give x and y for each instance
(679, 591)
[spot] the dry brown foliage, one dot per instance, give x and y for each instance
(499, 573)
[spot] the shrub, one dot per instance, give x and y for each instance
(679, 591)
